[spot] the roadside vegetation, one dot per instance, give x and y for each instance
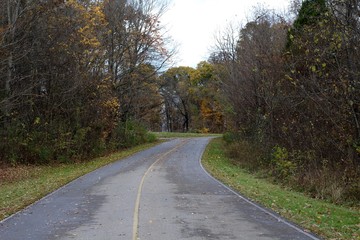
(293, 91)
(78, 79)
(326, 219)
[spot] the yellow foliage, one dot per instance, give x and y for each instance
(37, 121)
(206, 111)
(205, 130)
(112, 103)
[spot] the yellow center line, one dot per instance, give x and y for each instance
(137, 202)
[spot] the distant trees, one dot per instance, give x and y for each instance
(175, 89)
(73, 73)
(192, 99)
(294, 91)
(208, 99)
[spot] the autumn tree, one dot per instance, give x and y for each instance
(143, 101)
(72, 72)
(133, 39)
(252, 58)
(15, 24)
(324, 78)
(295, 94)
(54, 80)
(207, 99)
(175, 90)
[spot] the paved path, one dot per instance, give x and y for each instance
(160, 193)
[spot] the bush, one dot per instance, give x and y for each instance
(150, 137)
(245, 154)
(44, 143)
(338, 183)
(231, 137)
(282, 167)
(130, 133)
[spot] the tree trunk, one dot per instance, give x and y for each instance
(12, 15)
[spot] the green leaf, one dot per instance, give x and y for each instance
(37, 121)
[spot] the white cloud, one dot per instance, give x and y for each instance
(193, 23)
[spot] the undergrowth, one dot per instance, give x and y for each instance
(298, 170)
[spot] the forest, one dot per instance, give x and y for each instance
(293, 89)
(82, 78)
(77, 77)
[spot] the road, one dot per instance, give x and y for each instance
(159, 193)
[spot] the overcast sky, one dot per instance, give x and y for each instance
(194, 23)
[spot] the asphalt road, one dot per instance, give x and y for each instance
(160, 193)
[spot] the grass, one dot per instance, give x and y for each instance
(23, 185)
(327, 220)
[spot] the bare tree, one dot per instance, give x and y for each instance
(250, 56)
(135, 38)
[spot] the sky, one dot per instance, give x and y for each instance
(193, 24)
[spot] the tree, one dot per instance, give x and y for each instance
(143, 100)
(296, 94)
(254, 68)
(72, 72)
(133, 40)
(206, 96)
(322, 120)
(15, 22)
(324, 84)
(175, 86)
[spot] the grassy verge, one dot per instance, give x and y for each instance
(23, 185)
(328, 220)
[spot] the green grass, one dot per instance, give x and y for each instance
(183, 135)
(327, 220)
(27, 184)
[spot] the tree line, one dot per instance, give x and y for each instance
(77, 77)
(82, 78)
(294, 91)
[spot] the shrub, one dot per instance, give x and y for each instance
(230, 137)
(282, 166)
(297, 169)
(130, 133)
(245, 154)
(150, 137)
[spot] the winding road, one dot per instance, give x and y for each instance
(162, 193)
